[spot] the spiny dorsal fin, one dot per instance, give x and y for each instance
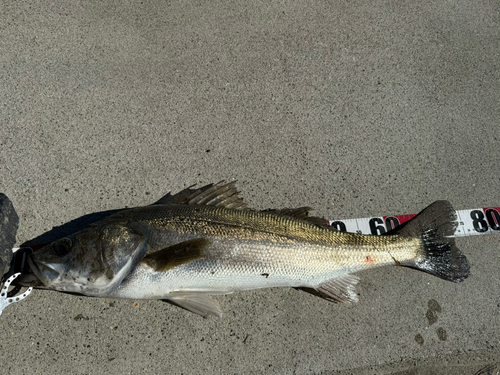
(303, 214)
(218, 195)
(342, 289)
(179, 198)
(176, 255)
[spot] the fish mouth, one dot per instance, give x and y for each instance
(43, 271)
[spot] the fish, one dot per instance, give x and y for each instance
(197, 243)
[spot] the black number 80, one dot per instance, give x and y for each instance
(479, 222)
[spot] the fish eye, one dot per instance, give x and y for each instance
(62, 247)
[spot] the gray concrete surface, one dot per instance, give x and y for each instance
(354, 108)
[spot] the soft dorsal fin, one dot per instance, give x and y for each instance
(176, 255)
(218, 195)
(303, 214)
(299, 213)
(342, 289)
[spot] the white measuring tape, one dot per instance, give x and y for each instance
(470, 223)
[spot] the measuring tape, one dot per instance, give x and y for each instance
(470, 223)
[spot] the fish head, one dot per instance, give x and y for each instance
(92, 262)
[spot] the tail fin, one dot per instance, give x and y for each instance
(438, 256)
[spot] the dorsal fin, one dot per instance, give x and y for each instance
(303, 214)
(218, 195)
(226, 195)
(299, 213)
(179, 198)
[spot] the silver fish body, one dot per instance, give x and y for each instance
(204, 242)
(246, 250)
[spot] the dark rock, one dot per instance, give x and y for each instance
(9, 222)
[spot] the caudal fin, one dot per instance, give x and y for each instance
(438, 254)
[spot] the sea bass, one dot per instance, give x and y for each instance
(204, 242)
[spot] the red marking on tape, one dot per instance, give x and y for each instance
(401, 218)
(497, 209)
(493, 217)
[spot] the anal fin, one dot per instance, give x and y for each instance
(341, 289)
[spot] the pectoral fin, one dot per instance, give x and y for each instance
(176, 255)
(199, 303)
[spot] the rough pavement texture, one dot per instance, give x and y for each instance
(354, 108)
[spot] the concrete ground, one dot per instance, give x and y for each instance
(355, 108)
